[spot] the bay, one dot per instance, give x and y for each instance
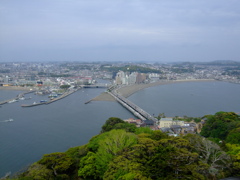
(39, 130)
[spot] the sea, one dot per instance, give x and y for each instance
(26, 134)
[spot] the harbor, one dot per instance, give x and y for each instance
(19, 96)
(69, 92)
(53, 97)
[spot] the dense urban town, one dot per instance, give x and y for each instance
(74, 73)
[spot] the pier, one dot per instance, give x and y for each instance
(133, 108)
(53, 100)
(16, 98)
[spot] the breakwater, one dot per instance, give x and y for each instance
(52, 100)
(16, 98)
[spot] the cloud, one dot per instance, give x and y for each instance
(122, 25)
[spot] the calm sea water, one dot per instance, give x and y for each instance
(69, 122)
(50, 128)
(194, 99)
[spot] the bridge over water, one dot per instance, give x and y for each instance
(136, 110)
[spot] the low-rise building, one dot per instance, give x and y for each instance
(137, 122)
(168, 122)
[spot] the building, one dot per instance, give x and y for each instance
(141, 78)
(137, 122)
(168, 122)
(39, 83)
(132, 78)
(120, 77)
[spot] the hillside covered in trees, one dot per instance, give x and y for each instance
(123, 152)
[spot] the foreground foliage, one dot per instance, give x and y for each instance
(224, 128)
(123, 152)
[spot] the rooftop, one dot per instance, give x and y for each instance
(166, 119)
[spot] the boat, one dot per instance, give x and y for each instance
(53, 96)
(21, 98)
(34, 103)
(8, 120)
(42, 101)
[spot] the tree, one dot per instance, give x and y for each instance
(106, 146)
(234, 151)
(220, 124)
(146, 130)
(124, 168)
(180, 160)
(94, 144)
(39, 172)
(88, 168)
(169, 158)
(65, 86)
(234, 136)
(116, 141)
(109, 124)
(59, 162)
(161, 115)
(126, 126)
(211, 154)
(157, 135)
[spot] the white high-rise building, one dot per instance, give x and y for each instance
(132, 78)
(120, 77)
(6, 79)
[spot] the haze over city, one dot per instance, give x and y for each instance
(121, 30)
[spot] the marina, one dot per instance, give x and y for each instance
(42, 102)
(53, 97)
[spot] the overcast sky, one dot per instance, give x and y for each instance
(119, 30)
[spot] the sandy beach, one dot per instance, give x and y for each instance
(127, 91)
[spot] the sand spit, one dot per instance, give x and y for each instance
(127, 91)
(104, 97)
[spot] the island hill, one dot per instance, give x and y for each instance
(125, 152)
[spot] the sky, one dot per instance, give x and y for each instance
(119, 30)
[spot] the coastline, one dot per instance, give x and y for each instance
(15, 88)
(127, 91)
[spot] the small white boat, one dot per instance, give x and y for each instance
(8, 120)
